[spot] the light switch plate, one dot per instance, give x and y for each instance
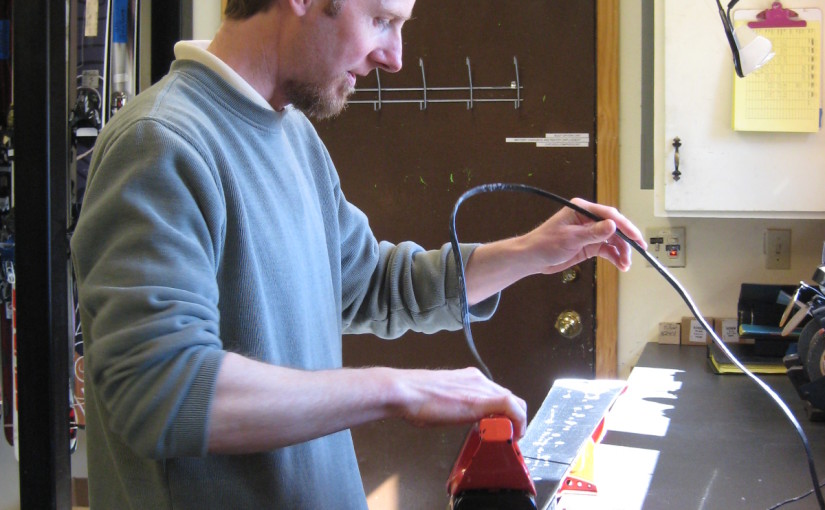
(667, 244)
(777, 248)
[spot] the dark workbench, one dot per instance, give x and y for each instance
(727, 444)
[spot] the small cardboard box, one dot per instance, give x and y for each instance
(669, 333)
(727, 329)
(693, 333)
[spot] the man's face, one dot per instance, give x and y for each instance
(336, 48)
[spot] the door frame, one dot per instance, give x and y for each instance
(607, 179)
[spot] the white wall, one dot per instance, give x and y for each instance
(721, 253)
(206, 17)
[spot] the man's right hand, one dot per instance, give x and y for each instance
(453, 397)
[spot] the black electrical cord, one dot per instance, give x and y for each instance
(795, 499)
(465, 309)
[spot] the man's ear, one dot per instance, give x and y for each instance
(300, 7)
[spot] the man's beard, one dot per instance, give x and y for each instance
(318, 101)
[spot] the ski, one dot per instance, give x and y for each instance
(7, 390)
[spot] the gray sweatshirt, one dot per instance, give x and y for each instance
(210, 225)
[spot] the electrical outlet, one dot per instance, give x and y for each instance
(667, 244)
(777, 248)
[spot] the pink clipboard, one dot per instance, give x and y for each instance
(777, 17)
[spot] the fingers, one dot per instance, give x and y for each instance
(612, 247)
(519, 418)
(514, 408)
(453, 397)
(488, 398)
(611, 213)
(619, 254)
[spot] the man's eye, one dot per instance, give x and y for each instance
(382, 22)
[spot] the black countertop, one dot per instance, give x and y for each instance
(727, 445)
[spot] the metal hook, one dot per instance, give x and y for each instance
(470, 74)
(518, 85)
(424, 98)
(377, 105)
(423, 106)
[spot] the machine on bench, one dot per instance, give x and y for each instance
(493, 472)
(806, 366)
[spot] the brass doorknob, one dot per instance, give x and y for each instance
(569, 324)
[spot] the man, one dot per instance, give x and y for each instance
(219, 263)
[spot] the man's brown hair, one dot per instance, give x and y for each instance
(242, 9)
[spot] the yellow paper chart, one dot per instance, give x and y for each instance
(785, 94)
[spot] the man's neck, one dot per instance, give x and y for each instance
(196, 50)
(249, 48)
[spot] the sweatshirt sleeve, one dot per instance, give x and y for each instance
(145, 253)
(389, 289)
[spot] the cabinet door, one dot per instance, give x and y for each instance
(723, 172)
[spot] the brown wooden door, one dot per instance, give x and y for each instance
(405, 166)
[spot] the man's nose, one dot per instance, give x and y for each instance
(388, 57)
